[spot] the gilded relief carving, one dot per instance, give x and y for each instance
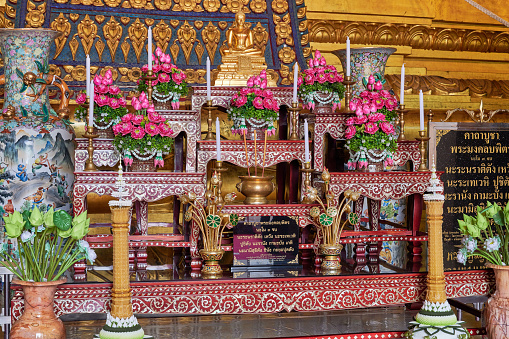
(87, 32)
(187, 6)
(162, 5)
(63, 25)
(186, 36)
(283, 30)
(74, 17)
(99, 19)
(199, 51)
(286, 55)
(125, 20)
(280, 6)
(112, 32)
(99, 46)
(222, 25)
(35, 14)
(258, 6)
(125, 47)
(112, 3)
(174, 23)
(73, 46)
(210, 36)
(261, 37)
(234, 6)
(162, 35)
(138, 4)
(211, 5)
(198, 24)
(149, 21)
(10, 11)
(138, 35)
(174, 50)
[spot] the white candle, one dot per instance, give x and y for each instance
(150, 48)
(421, 107)
(87, 84)
(306, 141)
(209, 96)
(348, 56)
(402, 86)
(295, 78)
(91, 106)
(218, 140)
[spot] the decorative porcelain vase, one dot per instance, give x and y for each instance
(211, 268)
(38, 319)
(364, 62)
(256, 189)
(331, 264)
(497, 309)
(37, 158)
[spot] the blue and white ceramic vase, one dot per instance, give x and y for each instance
(364, 62)
(36, 144)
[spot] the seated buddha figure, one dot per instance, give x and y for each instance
(240, 38)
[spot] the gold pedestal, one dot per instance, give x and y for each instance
(423, 139)
(210, 121)
(436, 277)
(237, 69)
(294, 116)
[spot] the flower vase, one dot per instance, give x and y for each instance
(38, 319)
(364, 62)
(331, 264)
(497, 309)
(37, 161)
(372, 160)
(211, 268)
(324, 103)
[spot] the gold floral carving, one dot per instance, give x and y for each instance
(138, 4)
(99, 46)
(149, 21)
(125, 20)
(258, 6)
(162, 35)
(87, 32)
(285, 75)
(199, 51)
(283, 30)
(303, 25)
(187, 6)
(78, 73)
(210, 36)
(99, 19)
(74, 17)
(234, 5)
(112, 3)
(299, 2)
(211, 5)
(129, 74)
(61, 1)
(174, 23)
(162, 5)
(261, 36)
(10, 11)
(195, 76)
(222, 25)
(112, 32)
(35, 14)
(174, 50)
(186, 36)
(306, 51)
(125, 47)
(286, 55)
(304, 39)
(301, 13)
(198, 24)
(63, 25)
(54, 70)
(280, 6)
(138, 35)
(114, 72)
(73, 46)
(415, 36)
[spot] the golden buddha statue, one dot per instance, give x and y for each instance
(241, 59)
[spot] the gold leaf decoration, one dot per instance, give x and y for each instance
(286, 55)
(162, 35)
(174, 50)
(138, 35)
(299, 2)
(98, 3)
(234, 6)
(174, 23)
(199, 51)
(283, 29)
(163, 5)
(75, 2)
(61, 1)
(35, 14)
(123, 71)
(10, 11)
(285, 74)
(112, 3)
(74, 17)
(187, 6)
(87, 31)
(258, 6)
(73, 45)
(306, 51)
(99, 19)
(261, 36)
(149, 21)
(61, 24)
(99, 46)
(211, 5)
(134, 74)
(210, 36)
(222, 25)
(126, 4)
(301, 13)
(55, 70)
(223, 47)
(186, 36)
(125, 20)
(198, 24)
(304, 39)
(125, 47)
(112, 32)
(303, 25)
(149, 6)
(79, 73)
(138, 4)
(68, 68)
(280, 6)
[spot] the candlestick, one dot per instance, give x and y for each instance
(219, 169)
(421, 111)
(347, 56)
(91, 105)
(306, 141)
(209, 108)
(306, 168)
(209, 96)
(401, 112)
(149, 77)
(423, 139)
(295, 78)
(90, 135)
(294, 116)
(430, 120)
(149, 48)
(402, 86)
(348, 82)
(218, 140)
(88, 76)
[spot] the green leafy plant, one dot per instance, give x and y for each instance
(48, 243)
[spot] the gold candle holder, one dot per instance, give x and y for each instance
(209, 108)
(348, 94)
(90, 135)
(306, 168)
(402, 112)
(294, 135)
(423, 139)
(149, 77)
(219, 169)
(430, 120)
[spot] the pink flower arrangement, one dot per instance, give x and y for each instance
(320, 79)
(254, 102)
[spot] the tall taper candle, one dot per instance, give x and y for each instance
(149, 49)
(295, 78)
(91, 105)
(88, 76)
(208, 79)
(218, 140)
(421, 107)
(402, 86)
(306, 141)
(347, 56)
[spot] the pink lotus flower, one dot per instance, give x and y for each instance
(385, 93)
(358, 111)
(102, 100)
(126, 128)
(158, 162)
(117, 128)
(108, 77)
(300, 81)
(371, 79)
(321, 78)
(178, 77)
(245, 91)
(350, 132)
(98, 80)
(114, 90)
(128, 160)
(163, 77)
(371, 128)
(311, 63)
(137, 119)
(101, 89)
(372, 107)
(250, 82)
(165, 130)
(159, 52)
(387, 128)
(144, 69)
(350, 121)
(142, 96)
(151, 109)
(122, 101)
(166, 68)
(241, 100)
(114, 103)
(155, 117)
(257, 81)
(378, 85)
(136, 103)
(309, 79)
(165, 58)
(263, 74)
(322, 61)
(263, 84)
(175, 104)
(331, 77)
(155, 82)
(257, 91)
(156, 68)
(268, 103)
(127, 118)
(258, 103)
(318, 55)
(366, 109)
(81, 98)
(267, 93)
(353, 105)
(138, 133)
(151, 129)
(362, 119)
